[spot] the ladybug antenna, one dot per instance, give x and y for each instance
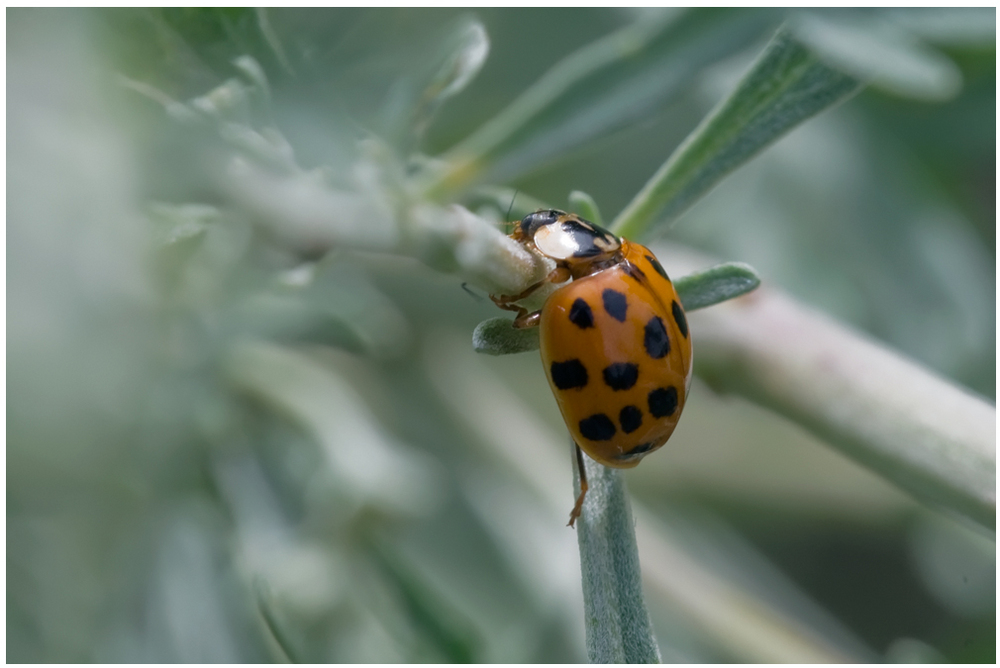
(465, 286)
(509, 208)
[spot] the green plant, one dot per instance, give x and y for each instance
(284, 398)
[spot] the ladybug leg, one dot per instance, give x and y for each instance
(583, 487)
(505, 301)
(525, 318)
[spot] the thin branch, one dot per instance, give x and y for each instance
(930, 437)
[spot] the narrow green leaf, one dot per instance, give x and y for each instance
(605, 85)
(284, 647)
(878, 52)
(496, 336)
(448, 631)
(469, 50)
(584, 205)
(717, 284)
(617, 623)
(466, 51)
(440, 63)
(787, 85)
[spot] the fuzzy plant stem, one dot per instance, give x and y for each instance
(617, 623)
(930, 437)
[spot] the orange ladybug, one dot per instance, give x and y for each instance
(614, 339)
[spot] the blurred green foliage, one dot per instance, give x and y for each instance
(228, 442)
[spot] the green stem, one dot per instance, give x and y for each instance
(616, 619)
(931, 438)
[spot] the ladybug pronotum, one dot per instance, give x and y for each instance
(614, 339)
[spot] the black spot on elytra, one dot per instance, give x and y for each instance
(568, 375)
(630, 419)
(581, 315)
(679, 318)
(597, 427)
(657, 266)
(663, 401)
(615, 304)
(655, 339)
(621, 375)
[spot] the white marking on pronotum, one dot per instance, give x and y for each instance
(606, 244)
(557, 243)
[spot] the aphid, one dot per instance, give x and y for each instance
(614, 339)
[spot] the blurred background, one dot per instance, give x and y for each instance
(224, 445)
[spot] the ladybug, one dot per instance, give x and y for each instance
(614, 339)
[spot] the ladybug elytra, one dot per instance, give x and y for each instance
(614, 339)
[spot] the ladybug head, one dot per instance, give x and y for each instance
(534, 221)
(567, 237)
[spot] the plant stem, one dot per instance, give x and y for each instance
(615, 616)
(928, 436)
